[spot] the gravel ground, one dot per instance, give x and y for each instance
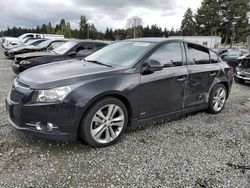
(199, 150)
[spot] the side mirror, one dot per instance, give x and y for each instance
(72, 54)
(152, 66)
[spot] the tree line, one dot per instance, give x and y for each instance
(88, 30)
(226, 18)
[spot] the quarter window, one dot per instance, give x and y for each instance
(197, 55)
(169, 55)
(214, 57)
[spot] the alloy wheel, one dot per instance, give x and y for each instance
(107, 123)
(219, 99)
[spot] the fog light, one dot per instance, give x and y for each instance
(43, 126)
(51, 127)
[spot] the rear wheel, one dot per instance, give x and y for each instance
(217, 99)
(238, 80)
(104, 123)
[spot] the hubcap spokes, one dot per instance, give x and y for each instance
(107, 123)
(219, 99)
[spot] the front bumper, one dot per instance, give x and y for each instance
(21, 115)
(243, 77)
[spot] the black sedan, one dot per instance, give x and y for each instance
(121, 85)
(69, 50)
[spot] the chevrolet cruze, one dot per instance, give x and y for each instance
(123, 84)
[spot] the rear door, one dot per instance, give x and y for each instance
(203, 67)
(162, 92)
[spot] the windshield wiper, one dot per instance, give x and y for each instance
(97, 62)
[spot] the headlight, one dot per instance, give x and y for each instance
(25, 62)
(52, 95)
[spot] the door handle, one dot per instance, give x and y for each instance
(212, 73)
(181, 79)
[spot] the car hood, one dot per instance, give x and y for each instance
(25, 47)
(63, 73)
(14, 46)
(33, 54)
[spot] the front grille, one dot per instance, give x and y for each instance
(15, 95)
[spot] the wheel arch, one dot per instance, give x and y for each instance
(227, 87)
(99, 97)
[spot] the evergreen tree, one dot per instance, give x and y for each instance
(67, 30)
(208, 17)
(49, 28)
(44, 29)
(188, 26)
(83, 28)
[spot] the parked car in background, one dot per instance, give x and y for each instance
(243, 70)
(70, 50)
(43, 46)
(16, 40)
(49, 45)
(220, 51)
(6, 41)
(33, 45)
(231, 57)
(125, 83)
(28, 41)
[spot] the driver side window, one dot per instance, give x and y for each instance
(169, 55)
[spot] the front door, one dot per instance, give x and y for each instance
(162, 92)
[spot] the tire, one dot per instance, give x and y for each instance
(238, 80)
(98, 127)
(217, 99)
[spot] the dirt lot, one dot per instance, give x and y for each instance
(200, 150)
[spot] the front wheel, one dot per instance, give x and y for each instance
(104, 122)
(217, 99)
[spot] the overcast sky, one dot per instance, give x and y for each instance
(103, 13)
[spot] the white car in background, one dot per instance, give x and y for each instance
(6, 41)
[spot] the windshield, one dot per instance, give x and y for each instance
(234, 53)
(62, 49)
(30, 42)
(25, 40)
(123, 54)
(44, 44)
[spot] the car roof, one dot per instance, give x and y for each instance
(88, 40)
(152, 39)
(161, 39)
